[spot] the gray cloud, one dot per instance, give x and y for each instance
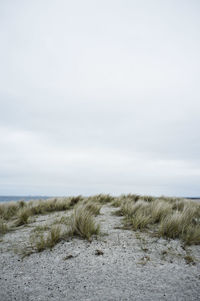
(99, 97)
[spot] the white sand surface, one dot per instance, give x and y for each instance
(133, 266)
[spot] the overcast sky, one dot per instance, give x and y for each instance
(100, 96)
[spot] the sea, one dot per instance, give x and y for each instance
(10, 198)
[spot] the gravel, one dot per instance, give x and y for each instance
(118, 265)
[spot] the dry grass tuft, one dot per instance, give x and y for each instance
(8, 210)
(159, 210)
(169, 218)
(140, 221)
(132, 197)
(116, 203)
(148, 198)
(23, 216)
(82, 223)
(102, 198)
(183, 224)
(3, 226)
(192, 235)
(130, 208)
(75, 200)
(51, 205)
(20, 210)
(119, 201)
(41, 242)
(93, 208)
(172, 226)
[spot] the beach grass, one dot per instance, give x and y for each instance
(167, 217)
(40, 241)
(82, 223)
(3, 226)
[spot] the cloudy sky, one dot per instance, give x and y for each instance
(100, 96)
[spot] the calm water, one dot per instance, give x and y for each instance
(37, 197)
(18, 198)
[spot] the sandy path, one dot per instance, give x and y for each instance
(133, 267)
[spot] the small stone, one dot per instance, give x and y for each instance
(99, 252)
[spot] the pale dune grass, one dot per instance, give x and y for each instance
(15, 209)
(148, 198)
(94, 208)
(41, 242)
(167, 217)
(159, 209)
(82, 223)
(3, 226)
(23, 216)
(101, 198)
(8, 210)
